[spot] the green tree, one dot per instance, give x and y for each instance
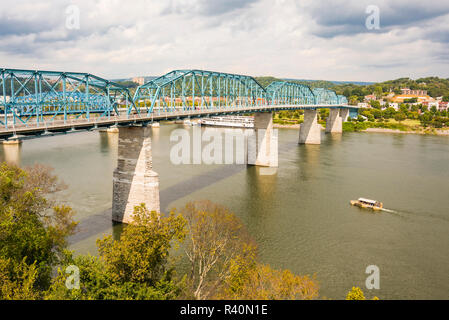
(376, 113)
(142, 251)
(378, 92)
(404, 108)
(136, 266)
(389, 113)
(433, 109)
(375, 104)
(411, 100)
(324, 114)
(353, 100)
(426, 118)
(33, 230)
(17, 280)
(400, 117)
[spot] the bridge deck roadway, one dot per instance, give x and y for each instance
(34, 128)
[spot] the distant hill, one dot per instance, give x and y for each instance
(436, 87)
(335, 82)
(265, 81)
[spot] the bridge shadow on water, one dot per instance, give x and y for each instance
(101, 223)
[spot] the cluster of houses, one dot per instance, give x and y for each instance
(394, 100)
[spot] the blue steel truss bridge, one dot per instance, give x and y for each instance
(34, 103)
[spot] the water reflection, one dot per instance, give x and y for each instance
(309, 160)
(155, 133)
(262, 184)
(108, 142)
(12, 154)
(334, 138)
(398, 140)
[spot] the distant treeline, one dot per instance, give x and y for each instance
(436, 87)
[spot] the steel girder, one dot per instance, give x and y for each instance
(44, 95)
(197, 90)
(325, 96)
(283, 92)
(342, 99)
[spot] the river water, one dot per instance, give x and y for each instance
(300, 217)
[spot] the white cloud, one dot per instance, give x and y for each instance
(283, 38)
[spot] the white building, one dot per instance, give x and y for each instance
(433, 104)
(363, 105)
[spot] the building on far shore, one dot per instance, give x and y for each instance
(443, 106)
(407, 91)
(363, 105)
(370, 97)
(394, 101)
(421, 96)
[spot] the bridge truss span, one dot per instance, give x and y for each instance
(46, 96)
(198, 90)
(33, 103)
(325, 96)
(283, 92)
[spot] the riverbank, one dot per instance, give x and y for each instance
(286, 126)
(423, 131)
(350, 127)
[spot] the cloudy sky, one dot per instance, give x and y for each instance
(306, 39)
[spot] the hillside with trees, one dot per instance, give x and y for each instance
(435, 86)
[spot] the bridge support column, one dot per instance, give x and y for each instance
(134, 181)
(113, 129)
(263, 142)
(334, 123)
(12, 152)
(310, 130)
(344, 114)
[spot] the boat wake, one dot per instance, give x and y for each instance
(390, 211)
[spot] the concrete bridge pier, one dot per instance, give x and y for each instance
(344, 114)
(12, 150)
(134, 181)
(263, 141)
(334, 123)
(310, 130)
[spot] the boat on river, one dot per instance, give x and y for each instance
(368, 204)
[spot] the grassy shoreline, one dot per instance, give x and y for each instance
(391, 126)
